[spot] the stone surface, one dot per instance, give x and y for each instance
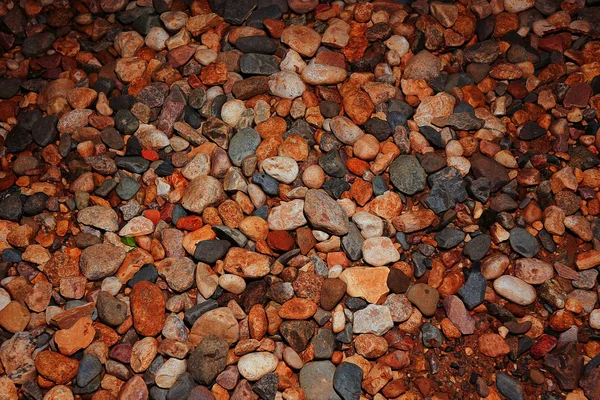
(294, 199)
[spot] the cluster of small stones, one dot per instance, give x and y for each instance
(281, 199)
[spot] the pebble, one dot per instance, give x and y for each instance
(407, 175)
(317, 380)
(346, 380)
(379, 251)
(325, 213)
(373, 319)
(208, 359)
(101, 260)
(254, 366)
(424, 297)
(515, 290)
(524, 242)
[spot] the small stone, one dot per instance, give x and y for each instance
(301, 39)
(379, 251)
(423, 65)
(524, 242)
(286, 84)
(369, 283)
(407, 175)
(202, 192)
(509, 387)
(75, 338)
(347, 380)
(325, 213)
(458, 314)
(101, 260)
(254, 366)
(111, 311)
(208, 360)
(56, 367)
(373, 319)
(424, 297)
(515, 290)
(147, 308)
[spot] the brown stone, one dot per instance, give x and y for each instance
(147, 308)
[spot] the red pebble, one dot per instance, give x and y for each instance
(543, 346)
(150, 155)
(190, 223)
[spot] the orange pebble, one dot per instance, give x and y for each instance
(152, 215)
(190, 223)
(150, 155)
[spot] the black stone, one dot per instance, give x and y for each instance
(35, 204)
(89, 368)
(148, 273)
(125, 122)
(421, 264)
(258, 64)
(352, 243)
(431, 336)
(135, 164)
(379, 128)
(37, 45)
(193, 313)
(182, 387)
(332, 164)
(210, 251)
(480, 189)
(347, 381)
(473, 291)
(256, 44)
(531, 131)
(449, 237)
(379, 185)
(335, 187)
(44, 131)
(12, 255)
(18, 139)
(355, 303)
(433, 136)
(11, 208)
(127, 188)
(234, 236)
(9, 87)
(164, 169)
(439, 200)
(266, 387)
(508, 386)
(477, 247)
(268, 184)
(523, 242)
(122, 102)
